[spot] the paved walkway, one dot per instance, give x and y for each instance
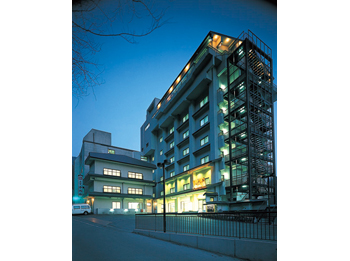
(110, 237)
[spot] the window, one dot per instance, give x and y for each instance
(187, 186)
(187, 167)
(171, 130)
(133, 175)
(207, 182)
(171, 145)
(161, 153)
(110, 189)
(185, 135)
(143, 158)
(211, 198)
(85, 207)
(161, 178)
(204, 140)
(172, 190)
(185, 151)
(185, 118)
(204, 120)
(161, 193)
(204, 101)
(204, 159)
(133, 205)
(111, 151)
(152, 158)
(161, 139)
(147, 127)
(111, 172)
(116, 205)
(172, 174)
(172, 159)
(76, 207)
(135, 191)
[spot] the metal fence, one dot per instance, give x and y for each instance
(247, 224)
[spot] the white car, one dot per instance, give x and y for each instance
(81, 209)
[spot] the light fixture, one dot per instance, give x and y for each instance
(158, 106)
(171, 89)
(178, 79)
(227, 40)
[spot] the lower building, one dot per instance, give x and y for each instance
(118, 184)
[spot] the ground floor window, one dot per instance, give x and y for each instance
(133, 205)
(116, 205)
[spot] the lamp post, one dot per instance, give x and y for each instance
(162, 165)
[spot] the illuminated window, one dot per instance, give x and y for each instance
(171, 130)
(161, 153)
(187, 167)
(133, 175)
(185, 151)
(172, 174)
(135, 191)
(204, 120)
(185, 135)
(185, 118)
(171, 145)
(161, 193)
(211, 199)
(133, 205)
(161, 178)
(116, 204)
(152, 158)
(204, 140)
(172, 190)
(187, 186)
(207, 181)
(147, 126)
(110, 189)
(161, 139)
(204, 101)
(204, 159)
(172, 159)
(143, 158)
(111, 172)
(110, 151)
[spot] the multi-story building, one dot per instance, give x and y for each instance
(94, 141)
(193, 127)
(118, 183)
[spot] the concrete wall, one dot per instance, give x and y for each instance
(249, 249)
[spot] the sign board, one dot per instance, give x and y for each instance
(80, 185)
(199, 183)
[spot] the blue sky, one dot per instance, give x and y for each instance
(134, 74)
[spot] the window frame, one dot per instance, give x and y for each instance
(203, 119)
(206, 137)
(112, 170)
(204, 159)
(187, 134)
(135, 190)
(185, 118)
(203, 101)
(112, 187)
(186, 151)
(187, 167)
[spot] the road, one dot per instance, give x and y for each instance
(110, 237)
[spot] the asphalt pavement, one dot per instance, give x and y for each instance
(110, 237)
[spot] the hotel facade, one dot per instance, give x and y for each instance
(215, 127)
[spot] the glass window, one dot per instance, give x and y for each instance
(204, 159)
(185, 135)
(204, 140)
(135, 191)
(204, 120)
(185, 118)
(161, 139)
(171, 130)
(185, 151)
(172, 173)
(187, 167)
(204, 101)
(172, 159)
(147, 127)
(111, 189)
(131, 175)
(186, 186)
(111, 151)
(76, 207)
(143, 158)
(133, 205)
(111, 172)
(161, 153)
(171, 145)
(207, 181)
(116, 204)
(152, 158)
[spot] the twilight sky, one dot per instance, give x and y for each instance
(134, 74)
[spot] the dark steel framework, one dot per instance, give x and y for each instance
(250, 120)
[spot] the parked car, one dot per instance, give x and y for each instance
(81, 209)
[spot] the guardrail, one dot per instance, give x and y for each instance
(247, 224)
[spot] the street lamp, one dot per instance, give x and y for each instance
(162, 165)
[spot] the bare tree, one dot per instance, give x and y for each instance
(105, 18)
